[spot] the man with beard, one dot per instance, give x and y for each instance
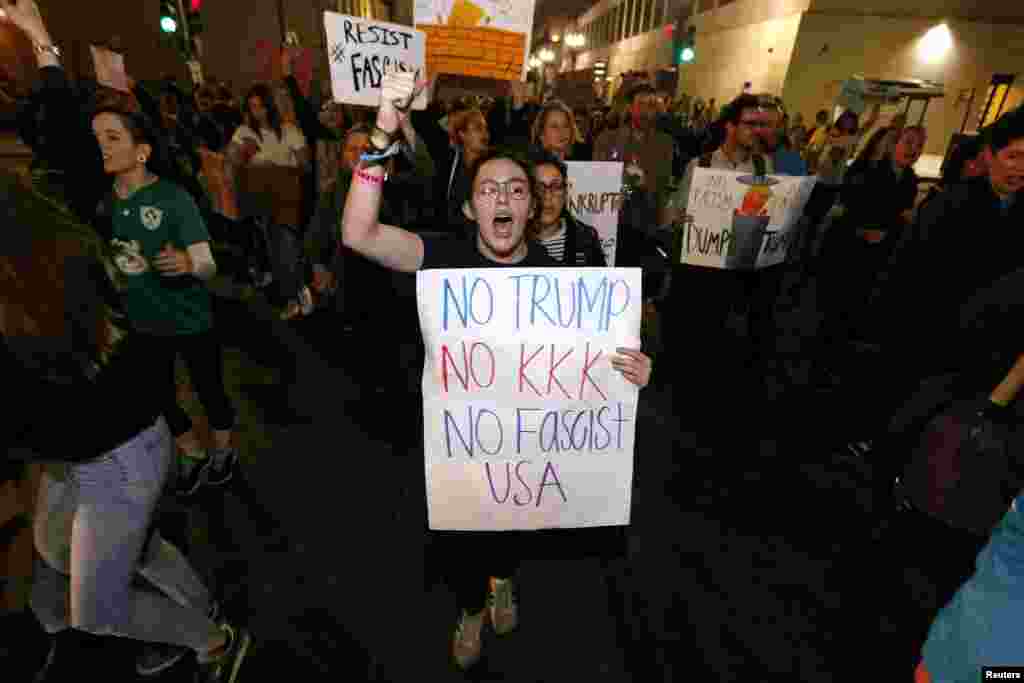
(646, 153)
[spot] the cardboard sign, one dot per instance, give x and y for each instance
(526, 423)
(360, 49)
(595, 198)
(110, 69)
(741, 221)
(482, 38)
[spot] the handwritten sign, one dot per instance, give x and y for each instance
(740, 221)
(526, 423)
(110, 69)
(360, 49)
(595, 198)
(482, 38)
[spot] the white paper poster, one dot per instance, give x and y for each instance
(110, 69)
(741, 221)
(526, 423)
(360, 49)
(595, 198)
(482, 38)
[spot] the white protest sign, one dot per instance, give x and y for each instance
(526, 423)
(110, 69)
(741, 221)
(595, 198)
(360, 49)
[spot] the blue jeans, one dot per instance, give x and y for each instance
(983, 625)
(91, 527)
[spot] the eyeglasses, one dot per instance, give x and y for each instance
(515, 190)
(553, 188)
(750, 123)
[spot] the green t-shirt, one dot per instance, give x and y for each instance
(142, 224)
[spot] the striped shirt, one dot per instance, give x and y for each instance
(555, 246)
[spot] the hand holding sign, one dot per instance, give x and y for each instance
(25, 15)
(397, 91)
(634, 365)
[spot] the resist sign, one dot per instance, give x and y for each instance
(360, 49)
(526, 423)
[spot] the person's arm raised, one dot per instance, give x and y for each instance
(361, 230)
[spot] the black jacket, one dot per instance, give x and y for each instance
(963, 242)
(874, 197)
(582, 244)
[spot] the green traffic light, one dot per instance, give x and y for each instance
(168, 24)
(688, 54)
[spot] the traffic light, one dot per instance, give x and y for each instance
(169, 19)
(686, 47)
(195, 17)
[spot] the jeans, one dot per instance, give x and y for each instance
(91, 528)
(203, 358)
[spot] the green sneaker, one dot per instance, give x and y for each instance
(501, 603)
(467, 642)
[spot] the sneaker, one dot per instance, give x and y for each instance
(467, 642)
(189, 483)
(222, 466)
(501, 603)
(44, 671)
(157, 657)
(224, 669)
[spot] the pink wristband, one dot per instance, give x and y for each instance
(375, 179)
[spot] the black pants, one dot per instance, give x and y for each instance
(846, 290)
(822, 198)
(203, 357)
(700, 300)
(475, 556)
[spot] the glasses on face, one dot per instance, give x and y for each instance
(751, 123)
(515, 190)
(555, 188)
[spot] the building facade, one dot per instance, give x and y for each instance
(803, 50)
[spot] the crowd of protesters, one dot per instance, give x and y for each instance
(331, 207)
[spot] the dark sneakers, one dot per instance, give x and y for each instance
(224, 669)
(157, 657)
(222, 466)
(190, 482)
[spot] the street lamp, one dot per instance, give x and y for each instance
(547, 55)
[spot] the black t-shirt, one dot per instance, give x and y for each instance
(455, 252)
